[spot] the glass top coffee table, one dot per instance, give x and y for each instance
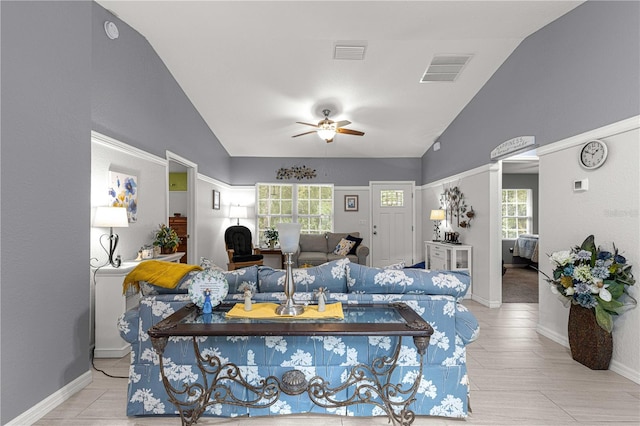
(395, 319)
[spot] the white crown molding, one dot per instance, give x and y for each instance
(115, 144)
(216, 182)
(41, 409)
(493, 167)
(172, 156)
(601, 132)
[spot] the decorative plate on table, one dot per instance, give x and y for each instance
(211, 280)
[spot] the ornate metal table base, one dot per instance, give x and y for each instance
(370, 385)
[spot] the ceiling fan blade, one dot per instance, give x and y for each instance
(305, 133)
(349, 132)
(342, 123)
(307, 124)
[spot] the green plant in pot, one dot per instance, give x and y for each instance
(271, 235)
(167, 239)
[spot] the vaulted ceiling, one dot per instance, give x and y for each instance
(252, 69)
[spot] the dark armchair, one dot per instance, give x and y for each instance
(240, 249)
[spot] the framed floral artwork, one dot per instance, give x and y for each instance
(350, 203)
(123, 192)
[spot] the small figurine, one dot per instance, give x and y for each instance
(139, 255)
(206, 307)
(247, 300)
(321, 295)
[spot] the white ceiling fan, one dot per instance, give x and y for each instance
(327, 129)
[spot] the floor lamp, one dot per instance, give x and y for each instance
(111, 217)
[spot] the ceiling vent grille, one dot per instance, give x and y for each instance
(445, 68)
(354, 53)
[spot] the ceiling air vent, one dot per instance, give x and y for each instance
(445, 68)
(349, 52)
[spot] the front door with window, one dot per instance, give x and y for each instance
(392, 223)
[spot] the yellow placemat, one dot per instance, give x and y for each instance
(268, 311)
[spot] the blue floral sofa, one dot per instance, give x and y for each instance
(435, 295)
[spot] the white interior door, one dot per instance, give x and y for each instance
(392, 228)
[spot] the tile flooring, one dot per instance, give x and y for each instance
(517, 377)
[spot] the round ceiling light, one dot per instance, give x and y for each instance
(111, 29)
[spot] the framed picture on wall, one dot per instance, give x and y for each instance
(350, 203)
(216, 200)
(123, 192)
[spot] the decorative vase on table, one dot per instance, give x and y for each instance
(167, 250)
(590, 344)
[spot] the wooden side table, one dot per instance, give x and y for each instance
(273, 251)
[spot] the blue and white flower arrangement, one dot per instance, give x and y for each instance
(593, 278)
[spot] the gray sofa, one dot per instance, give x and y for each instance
(316, 249)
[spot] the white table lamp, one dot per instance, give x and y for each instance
(437, 216)
(289, 236)
(238, 212)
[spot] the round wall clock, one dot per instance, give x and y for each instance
(593, 154)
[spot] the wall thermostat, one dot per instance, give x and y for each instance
(580, 185)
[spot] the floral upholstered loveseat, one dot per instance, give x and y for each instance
(436, 296)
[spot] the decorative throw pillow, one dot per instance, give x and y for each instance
(356, 245)
(399, 265)
(343, 247)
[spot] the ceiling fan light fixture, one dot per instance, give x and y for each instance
(326, 133)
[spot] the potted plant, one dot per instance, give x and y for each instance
(271, 235)
(167, 239)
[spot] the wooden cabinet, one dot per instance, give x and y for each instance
(179, 224)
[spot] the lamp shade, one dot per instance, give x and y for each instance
(289, 236)
(110, 217)
(437, 215)
(238, 212)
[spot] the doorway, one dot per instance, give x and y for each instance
(181, 201)
(520, 182)
(392, 220)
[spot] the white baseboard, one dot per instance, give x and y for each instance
(485, 302)
(615, 366)
(558, 338)
(625, 371)
(39, 410)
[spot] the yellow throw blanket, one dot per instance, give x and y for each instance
(268, 311)
(157, 272)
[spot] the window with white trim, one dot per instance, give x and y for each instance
(517, 215)
(309, 205)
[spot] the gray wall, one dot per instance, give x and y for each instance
(520, 181)
(45, 176)
(339, 171)
(578, 73)
(137, 101)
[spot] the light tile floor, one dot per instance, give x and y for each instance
(517, 377)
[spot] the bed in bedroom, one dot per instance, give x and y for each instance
(526, 247)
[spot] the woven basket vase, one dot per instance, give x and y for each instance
(590, 344)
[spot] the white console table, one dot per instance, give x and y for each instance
(110, 303)
(448, 257)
